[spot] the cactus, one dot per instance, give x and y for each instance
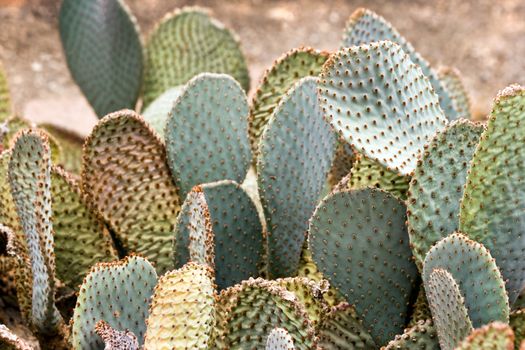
(279, 339)
(219, 226)
(295, 156)
(420, 309)
(339, 329)
(451, 80)
(351, 230)
(10, 341)
(5, 97)
(421, 336)
(114, 339)
(342, 164)
(158, 111)
(117, 293)
(207, 132)
(370, 114)
(103, 52)
(437, 185)
(365, 26)
(12, 125)
(517, 323)
(476, 275)
(495, 336)
(188, 42)
(71, 144)
(182, 311)
(494, 198)
(285, 72)
(126, 161)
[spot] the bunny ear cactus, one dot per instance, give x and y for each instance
(284, 73)
(182, 311)
(158, 111)
(114, 339)
(451, 80)
(279, 339)
(421, 336)
(296, 151)
(103, 52)
(349, 232)
(5, 96)
(219, 226)
(437, 185)
(207, 132)
(365, 27)
(494, 198)
(117, 293)
(496, 336)
(359, 94)
(126, 161)
(188, 42)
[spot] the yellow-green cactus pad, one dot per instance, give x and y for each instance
(494, 336)
(517, 322)
(5, 97)
(70, 143)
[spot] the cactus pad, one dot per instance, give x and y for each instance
(156, 114)
(114, 339)
(451, 80)
(517, 322)
(70, 157)
(296, 153)
(103, 52)
(365, 26)
(340, 329)
(359, 95)
(284, 73)
(279, 339)
(437, 186)
(219, 226)
(5, 96)
(494, 198)
(476, 275)
(125, 161)
(186, 43)
(421, 336)
(81, 237)
(494, 336)
(350, 232)
(118, 293)
(207, 132)
(448, 309)
(182, 311)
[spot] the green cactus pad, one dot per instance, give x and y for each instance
(421, 336)
(494, 198)
(359, 242)
(8, 265)
(219, 226)
(365, 26)
(71, 147)
(158, 111)
(5, 97)
(451, 80)
(359, 93)
(494, 336)
(81, 237)
(448, 309)
(296, 151)
(188, 42)
(182, 311)
(284, 73)
(340, 329)
(125, 161)
(344, 159)
(30, 181)
(270, 306)
(437, 186)
(10, 341)
(517, 322)
(114, 339)
(103, 52)
(279, 339)
(118, 293)
(476, 275)
(369, 173)
(207, 132)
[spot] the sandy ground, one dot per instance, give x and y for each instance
(484, 39)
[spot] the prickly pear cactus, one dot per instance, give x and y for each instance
(182, 311)
(370, 114)
(71, 144)
(476, 275)
(207, 132)
(494, 198)
(117, 293)
(188, 42)
(296, 153)
(351, 230)
(517, 322)
(437, 185)
(365, 26)
(10, 341)
(421, 336)
(219, 226)
(158, 111)
(5, 97)
(451, 80)
(114, 339)
(279, 339)
(284, 73)
(103, 52)
(495, 336)
(12, 126)
(126, 161)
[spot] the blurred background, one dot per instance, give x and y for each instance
(484, 39)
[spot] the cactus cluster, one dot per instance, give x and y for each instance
(351, 205)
